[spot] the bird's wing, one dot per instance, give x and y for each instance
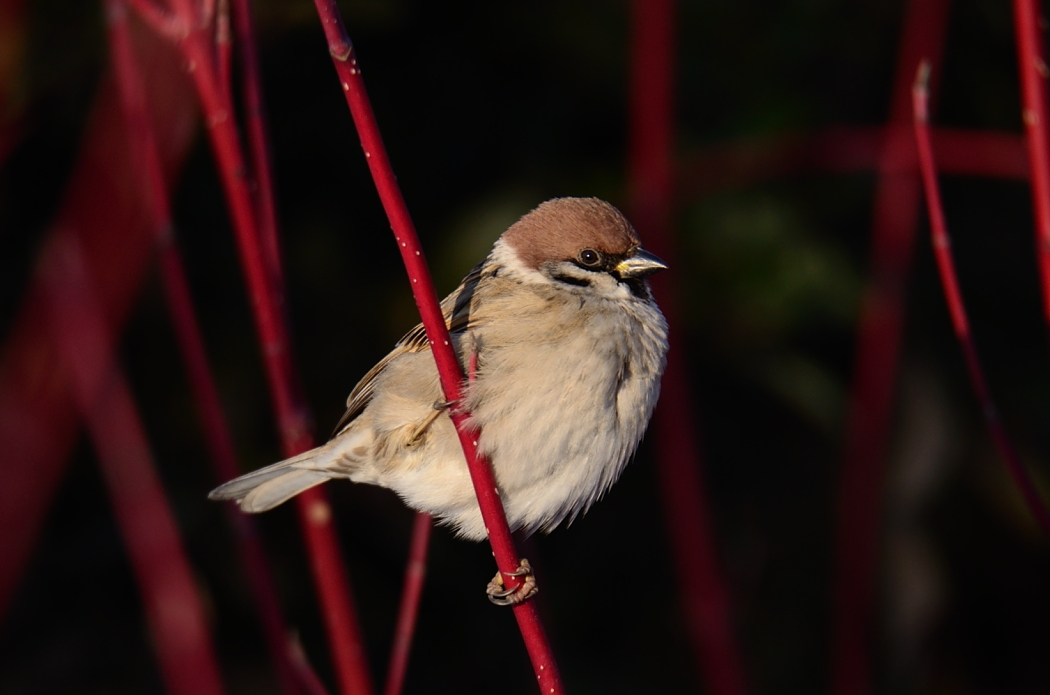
(456, 310)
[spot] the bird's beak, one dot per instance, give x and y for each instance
(638, 265)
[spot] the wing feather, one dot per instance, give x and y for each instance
(456, 309)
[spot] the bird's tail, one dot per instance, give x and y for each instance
(268, 487)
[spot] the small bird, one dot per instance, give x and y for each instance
(569, 348)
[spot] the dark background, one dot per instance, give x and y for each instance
(488, 109)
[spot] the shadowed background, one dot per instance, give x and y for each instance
(488, 110)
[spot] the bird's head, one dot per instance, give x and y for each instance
(583, 244)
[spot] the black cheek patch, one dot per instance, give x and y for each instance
(637, 287)
(570, 280)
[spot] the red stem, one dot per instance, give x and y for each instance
(736, 164)
(258, 149)
(38, 418)
(191, 344)
(174, 611)
(875, 367)
(449, 369)
(701, 587)
(415, 574)
(226, 146)
(946, 267)
(224, 48)
(314, 513)
(1031, 55)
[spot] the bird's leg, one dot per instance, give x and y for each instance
(525, 590)
(439, 407)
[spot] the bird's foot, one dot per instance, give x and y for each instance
(445, 405)
(456, 407)
(525, 589)
(420, 430)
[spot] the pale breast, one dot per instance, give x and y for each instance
(564, 390)
(560, 419)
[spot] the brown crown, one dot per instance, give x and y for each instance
(559, 229)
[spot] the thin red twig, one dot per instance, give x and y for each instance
(701, 587)
(224, 48)
(1031, 55)
(415, 574)
(946, 267)
(314, 512)
(345, 62)
(880, 326)
(174, 611)
(258, 138)
(191, 344)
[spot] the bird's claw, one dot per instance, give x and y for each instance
(439, 407)
(454, 407)
(525, 589)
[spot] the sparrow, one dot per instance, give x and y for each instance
(569, 347)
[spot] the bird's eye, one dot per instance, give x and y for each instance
(589, 258)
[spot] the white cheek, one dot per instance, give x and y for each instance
(503, 255)
(607, 286)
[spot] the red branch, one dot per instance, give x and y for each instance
(415, 573)
(750, 161)
(224, 47)
(173, 608)
(188, 334)
(103, 211)
(314, 512)
(946, 267)
(1031, 55)
(258, 138)
(345, 62)
(701, 586)
(858, 512)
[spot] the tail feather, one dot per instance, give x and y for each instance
(280, 489)
(275, 484)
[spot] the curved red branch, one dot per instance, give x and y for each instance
(1031, 55)
(952, 294)
(878, 344)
